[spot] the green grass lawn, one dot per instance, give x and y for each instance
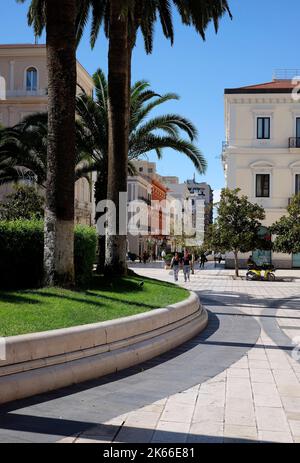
(45, 309)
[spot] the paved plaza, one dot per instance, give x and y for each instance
(238, 381)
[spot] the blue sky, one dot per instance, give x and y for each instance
(263, 36)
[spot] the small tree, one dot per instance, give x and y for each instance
(23, 203)
(287, 229)
(237, 226)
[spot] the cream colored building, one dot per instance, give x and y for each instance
(261, 155)
(23, 91)
(138, 189)
(145, 168)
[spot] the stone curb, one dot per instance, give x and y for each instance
(45, 361)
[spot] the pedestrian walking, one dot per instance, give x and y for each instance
(187, 258)
(203, 259)
(175, 265)
(215, 259)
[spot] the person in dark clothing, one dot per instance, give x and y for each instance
(187, 258)
(203, 259)
(175, 265)
(251, 263)
(145, 257)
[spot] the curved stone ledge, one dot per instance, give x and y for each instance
(41, 362)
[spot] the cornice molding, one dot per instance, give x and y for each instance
(265, 100)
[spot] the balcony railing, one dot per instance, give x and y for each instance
(294, 142)
(225, 145)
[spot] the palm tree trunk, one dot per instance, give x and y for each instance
(59, 212)
(118, 122)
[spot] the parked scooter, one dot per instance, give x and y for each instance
(264, 272)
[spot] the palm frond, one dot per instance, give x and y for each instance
(99, 11)
(144, 110)
(82, 17)
(170, 123)
(154, 142)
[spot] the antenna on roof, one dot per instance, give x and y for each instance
(285, 74)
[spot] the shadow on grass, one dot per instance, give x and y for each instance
(99, 283)
(117, 285)
(14, 298)
(92, 302)
(130, 283)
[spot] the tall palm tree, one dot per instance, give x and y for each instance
(122, 19)
(59, 16)
(145, 134)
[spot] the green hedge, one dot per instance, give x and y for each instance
(85, 253)
(21, 253)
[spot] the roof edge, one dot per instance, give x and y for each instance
(241, 91)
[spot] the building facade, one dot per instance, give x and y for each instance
(138, 189)
(159, 235)
(165, 223)
(203, 192)
(157, 239)
(261, 154)
(196, 198)
(23, 91)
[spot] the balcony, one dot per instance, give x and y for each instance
(294, 142)
(225, 145)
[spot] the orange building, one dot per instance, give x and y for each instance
(157, 239)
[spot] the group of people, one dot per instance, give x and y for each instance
(146, 257)
(186, 263)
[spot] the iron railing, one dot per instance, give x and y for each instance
(225, 145)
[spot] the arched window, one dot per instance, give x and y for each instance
(31, 80)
